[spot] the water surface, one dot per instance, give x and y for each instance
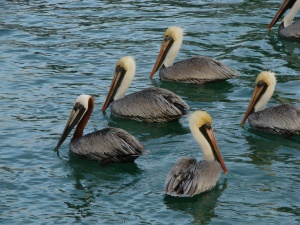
(53, 51)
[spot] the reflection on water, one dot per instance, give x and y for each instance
(53, 51)
(94, 181)
(201, 207)
(266, 149)
(198, 93)
(287, 51)
(149, 130)
(81, 166)
(262, 149)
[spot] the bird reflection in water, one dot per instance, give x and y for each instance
(94, 182)
(271, 144)
(210, 92)
(201, 207)
(144, 131)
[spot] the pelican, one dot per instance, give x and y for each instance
(287, 28)
(106, 145)
(198, 70)
(150, 105)
(281, 119)
(189, 177)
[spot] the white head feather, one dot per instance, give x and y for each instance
(83, 100)
(128, 63)
(197, 119)
(269, 78)
(177, 34)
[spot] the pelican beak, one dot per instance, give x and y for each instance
(115, 84)
(75, 116)
(216, 149)
(286, 4)
(164, 49)
(257, 93)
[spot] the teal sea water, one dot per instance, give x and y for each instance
(53, 51)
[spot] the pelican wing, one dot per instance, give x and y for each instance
(151, 105)
(282, 119)
(188, 178)
(290, 32)
(199, 70)
(178, 175)
(108, 145)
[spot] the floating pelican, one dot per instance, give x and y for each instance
(287, 28)
(198, 70)
(281, 119)
(106, 145)
(150, 105)
(189, 177)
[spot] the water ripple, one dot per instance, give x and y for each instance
(52, 51)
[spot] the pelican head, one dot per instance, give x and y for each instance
(83, 104)
(124, 73)
(169, 48)
(201, 128)
(264, 89)
(288, 19)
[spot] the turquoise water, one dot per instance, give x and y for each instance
(53, 51)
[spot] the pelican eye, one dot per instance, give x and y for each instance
(77, 106)
(120, 69)
(168, 38)
(208, 125)
(261, 83)
(204, 127)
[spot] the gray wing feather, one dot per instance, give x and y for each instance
(188, 178)
(178, 173)
(290, 32)
(108, 145)
(199, 70)
(151, 105)
(281, 119)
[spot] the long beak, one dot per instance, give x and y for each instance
(75, 116)
(286, 4)
(256, 93)
(164, 49)
(216, 149)
(117, 79)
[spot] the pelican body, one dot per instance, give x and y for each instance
(287, 28)
(150, 105)
(106, 145)
(189, 177)
(198, 70)
(281, 119)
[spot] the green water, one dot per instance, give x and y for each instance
(53, 51)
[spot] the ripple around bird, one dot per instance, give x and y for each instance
(53, 51)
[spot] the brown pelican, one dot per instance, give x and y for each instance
(281, 119)
(198, 70)
(150, 105)
(106, 145)
(287, 28)
(189, 177)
